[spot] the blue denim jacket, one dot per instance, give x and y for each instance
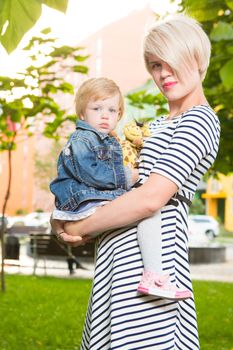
(90, 167)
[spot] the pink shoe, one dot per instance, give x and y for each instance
(159, 285)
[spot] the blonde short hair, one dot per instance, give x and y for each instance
(97, 89)
(178, 40)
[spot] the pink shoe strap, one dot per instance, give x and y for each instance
(160, 280)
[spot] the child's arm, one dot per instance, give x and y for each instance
(131, 176)
(135, 174)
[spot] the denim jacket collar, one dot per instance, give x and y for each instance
(85, 126)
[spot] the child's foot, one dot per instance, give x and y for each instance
(160, 286)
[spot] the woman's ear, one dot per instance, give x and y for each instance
(81, 117)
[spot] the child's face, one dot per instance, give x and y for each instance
(103, 114)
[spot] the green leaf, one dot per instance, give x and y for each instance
(72, 117)
(46, 30)
(66, 88)
(222, 31)
(62, 51)
(229, 50)
(229, 4)
(49, 88)
(80, 69)
(79, 58)
(35, 41)
(22, 15)
(226, 74)
(202, 10)
(60, 5)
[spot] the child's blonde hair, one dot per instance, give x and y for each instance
(179, 41)
(97, 89)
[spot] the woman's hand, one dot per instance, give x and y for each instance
(73, 241)
(57, 226)
(70, 237)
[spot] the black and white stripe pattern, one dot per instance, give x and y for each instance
(118, 317)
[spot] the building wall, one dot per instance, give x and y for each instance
(228, 181)
(116, 50)
(219, 199)
(22, 188)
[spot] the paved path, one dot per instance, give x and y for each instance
(215, 272)
(59, 268)
(50, 267)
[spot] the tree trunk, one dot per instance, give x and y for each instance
(3, 282)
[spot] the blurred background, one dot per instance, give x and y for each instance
(48, 48)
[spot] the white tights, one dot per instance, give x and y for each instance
(150, 243)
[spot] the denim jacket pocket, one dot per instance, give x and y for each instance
(103, 152)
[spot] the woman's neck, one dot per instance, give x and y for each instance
(180, 106)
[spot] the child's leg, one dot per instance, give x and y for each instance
(154, 280)
(150, 243)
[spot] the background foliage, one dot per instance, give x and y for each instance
(46, 167)
(33, 94)
(18, 16)
(216, 18)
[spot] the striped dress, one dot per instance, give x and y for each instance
(181, 149)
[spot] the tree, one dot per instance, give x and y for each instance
(18, 16)
(32, 96)
(217, 20)
(197, 207)
(140, 99)
(46, 167)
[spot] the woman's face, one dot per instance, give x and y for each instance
(174, 88)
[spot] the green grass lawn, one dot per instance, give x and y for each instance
(42, 313)
(45, 313)
(214, 304)
(225, 237)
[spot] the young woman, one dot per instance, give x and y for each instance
(182, 147)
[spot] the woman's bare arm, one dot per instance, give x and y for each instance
(127, 209)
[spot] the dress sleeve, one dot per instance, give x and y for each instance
(195, 137)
